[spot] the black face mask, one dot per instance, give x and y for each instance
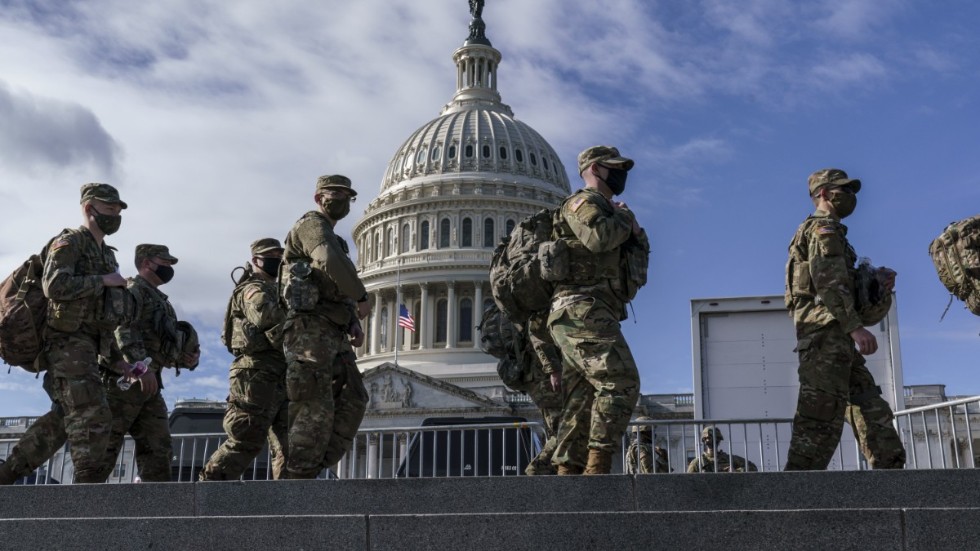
(616, 180)
(337, 209)
(271, 266)
(108, 223)
(165, 273)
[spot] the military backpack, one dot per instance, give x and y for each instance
(23, 311)
(956, 254)
(516, 280)
(501, 339)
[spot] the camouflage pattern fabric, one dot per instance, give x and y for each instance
(74, 339)
(39, 443)
(544, 358)
(600, 380)
(257, 411)
(645, 458)
(833, 376)
(154, 333)
(257, 408)
(145, 418)
(719, 462)
(350, 400)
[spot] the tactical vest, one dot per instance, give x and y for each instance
(240, 336)
(584, 266)
(799, 285)
(308, 290)
(158, 326)
(70, 315)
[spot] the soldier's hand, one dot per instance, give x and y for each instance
(113, 280)
(555, 379)
(363, 309)
(356, 335)
(866, 342)
(191, 360)
(148, 382)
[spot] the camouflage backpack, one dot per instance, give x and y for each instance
(515, 270)
(501, 339)
(956, 254)
(23, 312)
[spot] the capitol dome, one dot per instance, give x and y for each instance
(455, 187)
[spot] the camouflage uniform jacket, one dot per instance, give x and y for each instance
(647, 454)
(594, 230)
(256, 306)
(820, 276)
(707, 463)
(313, 240)
(154, 333)
(72, 281)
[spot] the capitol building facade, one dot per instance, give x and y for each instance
(454, 188)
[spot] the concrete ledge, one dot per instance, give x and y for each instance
(809, 490)
(181, 534)
(416, 496)
(863, 530)
(97, 500)
(944, 528)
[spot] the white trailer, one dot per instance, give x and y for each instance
(745, 367)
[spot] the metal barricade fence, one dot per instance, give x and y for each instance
(940, 436)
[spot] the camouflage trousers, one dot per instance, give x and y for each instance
(145, 419)
(257, 411)
(327, 398)
(549, 403)
(600, 381)
(72, 361)
(835, 385)
(42, 439)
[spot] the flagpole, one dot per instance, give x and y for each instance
(398, 286)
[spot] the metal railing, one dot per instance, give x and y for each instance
(940, 436)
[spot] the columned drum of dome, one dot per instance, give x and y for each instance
(453, 189)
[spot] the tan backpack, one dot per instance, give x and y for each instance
(956, 254)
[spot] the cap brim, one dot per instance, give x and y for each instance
(268, 250)
(618, 162)
(852, 183)
(345, 188)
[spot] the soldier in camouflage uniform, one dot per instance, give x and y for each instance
(141, 410)
(643, 456)
(713, 460)
(257, 406)
(834, 381)
(600, 381)
(78, 269)
(324, 299)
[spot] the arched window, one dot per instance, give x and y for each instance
(417, 314)
(467, 232)
(390, 242)
(444, 234)
(468, 151)
(441, 320)
(383, 330)
(519, 155)
(452, 151)
(424, 236)
(466, 320)
(545, 161)
(377, 246)
(421, 156)
(488, 235)
(534, 160)
(368, 331)
(503, 153)
(435, 153)
(510, 226)
(406, 233)
(486, 151)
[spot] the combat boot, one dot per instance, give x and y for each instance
(600, 462)
(564, 470)
(7, 475)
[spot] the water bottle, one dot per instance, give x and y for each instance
(139, 369)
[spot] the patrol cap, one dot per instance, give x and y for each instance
(334, 181)
(604, 154)
(643, 430)
(102, 192)
(832, 177)
(147, 250)
(264, 245)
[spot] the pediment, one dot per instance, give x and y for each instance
(394, 388)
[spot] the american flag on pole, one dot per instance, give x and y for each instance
(405, 319)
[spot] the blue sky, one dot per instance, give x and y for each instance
(214, 120)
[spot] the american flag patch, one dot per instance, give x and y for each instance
(826, 230)
(577, 203)
(251, 292)
(59, 244)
